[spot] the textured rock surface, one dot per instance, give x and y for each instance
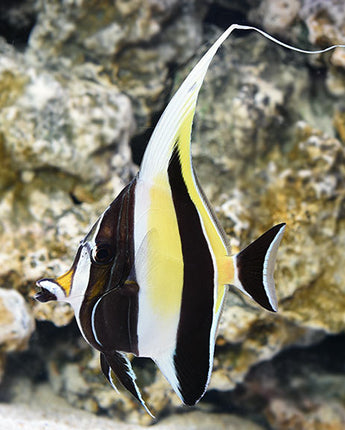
(276, 16)
(81, 81)
(16, 324)
(63, 140)
(300, 389)
(325, 416)
(42, 410)
(124, 38)
(325, 20)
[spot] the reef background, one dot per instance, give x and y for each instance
(82, 84)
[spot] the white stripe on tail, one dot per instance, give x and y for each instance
(254, 267)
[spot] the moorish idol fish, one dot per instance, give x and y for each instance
(151, 275)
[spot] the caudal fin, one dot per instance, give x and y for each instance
(254, 268)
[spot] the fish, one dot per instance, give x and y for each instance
(151, 275)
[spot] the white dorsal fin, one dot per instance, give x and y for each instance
(182, 105)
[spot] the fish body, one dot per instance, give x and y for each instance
(151, 275)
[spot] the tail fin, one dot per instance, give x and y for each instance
(254, 267)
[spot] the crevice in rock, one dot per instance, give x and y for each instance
(32, 364)
(291, 375)
(223, 17)
(17, 19)
(75, 199)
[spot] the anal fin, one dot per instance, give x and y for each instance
(118, 364)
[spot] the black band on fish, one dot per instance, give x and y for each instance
(192, 354)
(110, 301)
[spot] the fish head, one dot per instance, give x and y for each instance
(88, 276)
(103, 260)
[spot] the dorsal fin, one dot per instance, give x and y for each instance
(178, 116)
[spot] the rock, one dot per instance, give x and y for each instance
(53, 130)
(62, 122)
(276, 16)
(339, 123)
(284, 415)
(126, 41)
(325, 24)
(96, 30)
(26, 418)
(75, 374)
(301, 388)
(247, 84)
(311, 398)
(48, 418)
(200, 420)
(316, 181)
(144, 71)
(16, 321)
(16, 21)
(41, 409)
(324, 20)
(16, 324)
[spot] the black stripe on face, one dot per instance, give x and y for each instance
(192, 356)
(113, 318)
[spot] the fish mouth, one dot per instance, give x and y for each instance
(44, 295)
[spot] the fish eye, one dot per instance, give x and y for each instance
(102, 254)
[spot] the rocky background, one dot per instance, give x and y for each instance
(82, 84)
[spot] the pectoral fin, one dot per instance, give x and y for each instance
(117, 365)
(114, 319)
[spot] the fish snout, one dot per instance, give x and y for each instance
(45, 294)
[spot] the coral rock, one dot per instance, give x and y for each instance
(16, 321)
(283, 415)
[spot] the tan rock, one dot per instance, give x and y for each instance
(126, 40)
(277, 15)
(53, 128)
(284, 415)
(16, 321)
(41, 409)
(325, 20)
